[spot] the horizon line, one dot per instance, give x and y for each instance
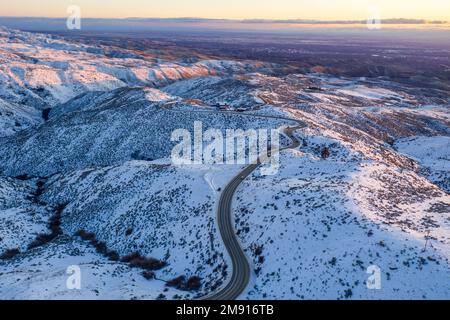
(250, 20)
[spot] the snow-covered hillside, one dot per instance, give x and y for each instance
(42, 275)
(22, 217)
(433, 155)
(313, 231)
(117, 126)
(86, 178)
(157, 210)
(39, 71)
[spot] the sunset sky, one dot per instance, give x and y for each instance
(233, 9)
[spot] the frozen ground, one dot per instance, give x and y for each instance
(173, 221)
(85, 146)
(39, 71)
(433, 155)
(43, 274)
(313, 231)
(22, 218)
(163, 212)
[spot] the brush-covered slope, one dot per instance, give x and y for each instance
(115, 127)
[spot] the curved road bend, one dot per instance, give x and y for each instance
(241, 266)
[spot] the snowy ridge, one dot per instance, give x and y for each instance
(40, 71)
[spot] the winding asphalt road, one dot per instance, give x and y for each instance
(241, 267)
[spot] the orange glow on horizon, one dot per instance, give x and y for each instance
(234, 9)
